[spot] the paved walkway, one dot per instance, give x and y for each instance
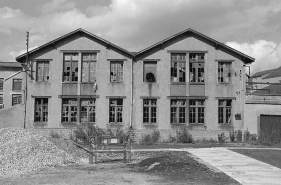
(241, 168)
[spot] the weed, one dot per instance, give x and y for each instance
(184, 136)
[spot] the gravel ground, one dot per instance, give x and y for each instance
(23, 151)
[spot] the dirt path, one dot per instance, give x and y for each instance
(158, 168)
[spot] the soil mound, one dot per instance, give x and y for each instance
(23, 151)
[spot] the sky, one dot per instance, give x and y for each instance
(250, 26)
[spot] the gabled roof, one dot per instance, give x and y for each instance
(192, 33)
(80, 30)
(10, 64)
(272, 89)
(274, 73)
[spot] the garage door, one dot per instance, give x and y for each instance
(270, 123)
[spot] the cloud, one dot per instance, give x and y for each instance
(267, 54)
(15, 54)
(6, 13)
(57, 6)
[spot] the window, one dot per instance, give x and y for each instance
(42, 71)
(1, 84)
(17, 84)
(70, 67)
(149, 71)
(41, 110)
(88, 111)
(178, 111)
(178, 67)
(69, 110)
(224, 72)
(16, 99)
(196, 111)
(116, 71)
(89, 67)
(196, 67)
(1, 102)
(115, 110)
(225, 107)
(149, 111)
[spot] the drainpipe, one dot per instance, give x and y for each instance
(243, 94)
(132, 99)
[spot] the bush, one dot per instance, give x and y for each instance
(146, 139)
(81, 136)
(247, 136)
(221, 138)
(232, 136)
(184, 136)
(54, 134)
(267, 138)
(155, 136)
(239, 136)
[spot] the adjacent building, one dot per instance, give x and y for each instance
(187, 80)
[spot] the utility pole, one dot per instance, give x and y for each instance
(25, 95)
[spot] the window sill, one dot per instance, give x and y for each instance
(16, 91)
(116, 123)
(178, 83)
(225, 125)
(42, 82)
(116, 82)
(69, 123)
(150, 82)
(70, 82)
(150, 124)
(196, 83)
(175, 124)
(40, 123)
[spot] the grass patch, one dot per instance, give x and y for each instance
(272, 157)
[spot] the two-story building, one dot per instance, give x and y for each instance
(187, 80)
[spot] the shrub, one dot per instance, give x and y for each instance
(146, 139)
(184, 136)
(267, 138)
(232, 136)
(155, 136)
(247, 136)
(239, 136)
(172, 139)
(221, 138)
(81, 136)
(54, 134)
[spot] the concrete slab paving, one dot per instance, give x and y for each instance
(243, 169)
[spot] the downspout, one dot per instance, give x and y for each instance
(132, 99)
(243, 93)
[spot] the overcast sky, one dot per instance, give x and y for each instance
(250, 26)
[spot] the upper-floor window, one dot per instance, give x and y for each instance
(196, 67)
(115, 110)
(16, 99)
(1, 102)
(89, 67)
(196, 111)
(178, 62)
(42, 71)
(41, 110)
(116, 71)
(225, 107)
(17, 84)
(150, 111)
(178, 111)
(1, 84)
(224, 72)
(70, 67)
(149, 71)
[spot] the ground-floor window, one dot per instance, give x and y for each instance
(150, 111)
(88, 111)
(16, 99)
(178, 111)
(1, 102)
(70, 107)
(196, 111)
(115, 110)
(41, 110)
(225, 107)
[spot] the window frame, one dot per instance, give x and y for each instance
(89, 106)
(177, 108)
(144, 71)
(197, 108)
(197, 61)
(41, 112)
(178, 62)
(225, 109)
(115, 107)
(19, 100)
(222, 74)
(1, 84)
(15, 86)
(45, 75)
(150, 107)
(90, 62)
(69, 111)
(71, 67)
(119, 78)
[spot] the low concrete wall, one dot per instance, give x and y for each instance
(12, 117)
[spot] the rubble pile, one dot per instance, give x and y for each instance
(23, 151)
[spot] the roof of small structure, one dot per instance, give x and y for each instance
(10, 64)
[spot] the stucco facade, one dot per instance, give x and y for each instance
(144, 105)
